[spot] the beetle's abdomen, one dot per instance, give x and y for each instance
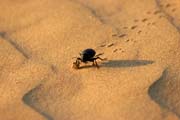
(87, 54)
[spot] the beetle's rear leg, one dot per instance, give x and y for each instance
(95, 63)
(101, 58)
(93, 60)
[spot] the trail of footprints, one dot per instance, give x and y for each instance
(168, 6)
(147, 21)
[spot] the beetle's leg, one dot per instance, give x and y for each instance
(93, 63)
(96, 63)
(101, 58)
(99, 54)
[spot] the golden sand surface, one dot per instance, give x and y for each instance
(139, 81)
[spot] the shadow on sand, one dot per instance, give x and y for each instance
(121, 63)
(126, 63)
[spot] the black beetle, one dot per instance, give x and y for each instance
(87, 55)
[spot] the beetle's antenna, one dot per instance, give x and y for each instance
(74, 57)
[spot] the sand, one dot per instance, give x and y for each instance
(139, 81)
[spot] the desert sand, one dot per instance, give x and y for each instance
(139, 81)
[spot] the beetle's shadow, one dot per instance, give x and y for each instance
(126, 63)
(121, 63)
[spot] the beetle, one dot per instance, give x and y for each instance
(87, 55)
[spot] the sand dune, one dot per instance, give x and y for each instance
(139, 81)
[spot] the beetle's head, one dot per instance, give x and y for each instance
(76, 64)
